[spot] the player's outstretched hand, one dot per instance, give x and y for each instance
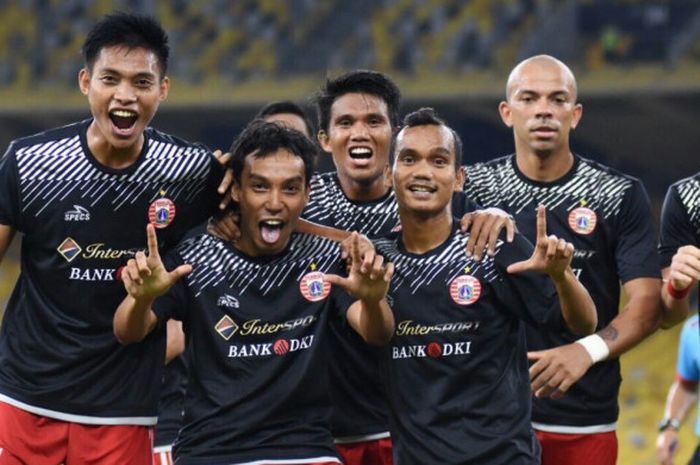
(223, 159)
(368, 278)
(484, 227)
(685, 267)
(145, 277)
(551, 255)
(555, 370)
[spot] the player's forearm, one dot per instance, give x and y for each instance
(640, 318)
(375, 322)
(308, 227)
(133, 320)
(6, 235)
(680, 400)
(577, 306)
(675, 310)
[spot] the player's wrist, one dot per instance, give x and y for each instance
(560, 276)
(669, 424)
(676, 293)
(596, 347)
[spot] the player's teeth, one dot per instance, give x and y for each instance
(123, 113)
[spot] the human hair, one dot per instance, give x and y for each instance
(287, 107)
(359, 81)
(128, 30)
(260, 139)
(427, 116)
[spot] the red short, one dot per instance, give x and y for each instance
(578, 449)
(163, 456)
(377, 452)
(26, 438)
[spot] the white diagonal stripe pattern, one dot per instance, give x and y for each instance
(50, 171)
(214, 262)
(494, 182)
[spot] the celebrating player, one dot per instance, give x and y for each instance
(255, 313)
(81, 195)
(606, 215)
(456, 368)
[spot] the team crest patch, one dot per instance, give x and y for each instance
(582, 220)
(465, 289)
(69, 249)
(226, 327)
(161, 211)
(313, 287)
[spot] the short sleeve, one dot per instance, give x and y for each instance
(174, 304)
(9, 190)
(530, 296)
(689, 351)
(463, 204)
(216, 175)
(676, 227)
(636, 252)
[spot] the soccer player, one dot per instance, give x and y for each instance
(288, 113)
(358, 115)
(682, 396)
(81, 196)
(456, 368)
(255, 313)
(607, 216)
(678, 247)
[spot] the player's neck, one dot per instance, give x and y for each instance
(110, 156)
(361, 191)
(544, 167)
(423, 233)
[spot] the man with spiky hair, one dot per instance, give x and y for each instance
(607, 216)
(256, 311)
(456, 366)
(358, 113)
(81, 195)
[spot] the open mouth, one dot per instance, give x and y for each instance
(123, 119)
(270, 230)
(421, 189)
(360, 153)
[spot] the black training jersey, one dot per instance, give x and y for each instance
(607, 217)
(80, 222)
(171, 402)
(456, 368)
(680, 218)
(360, 411)
(256, 331)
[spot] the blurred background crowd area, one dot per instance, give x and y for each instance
(224, 42)
(637, 64)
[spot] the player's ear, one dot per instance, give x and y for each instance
(84, 81)
(388, 181)
(459, 179)
(235, 190)
(578, 113)
(164, 88)
(322, 137)
(504, 110)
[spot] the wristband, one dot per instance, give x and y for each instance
(675, 293)
(595, 346)
(669, 423)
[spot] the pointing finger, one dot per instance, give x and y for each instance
(152, 241)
